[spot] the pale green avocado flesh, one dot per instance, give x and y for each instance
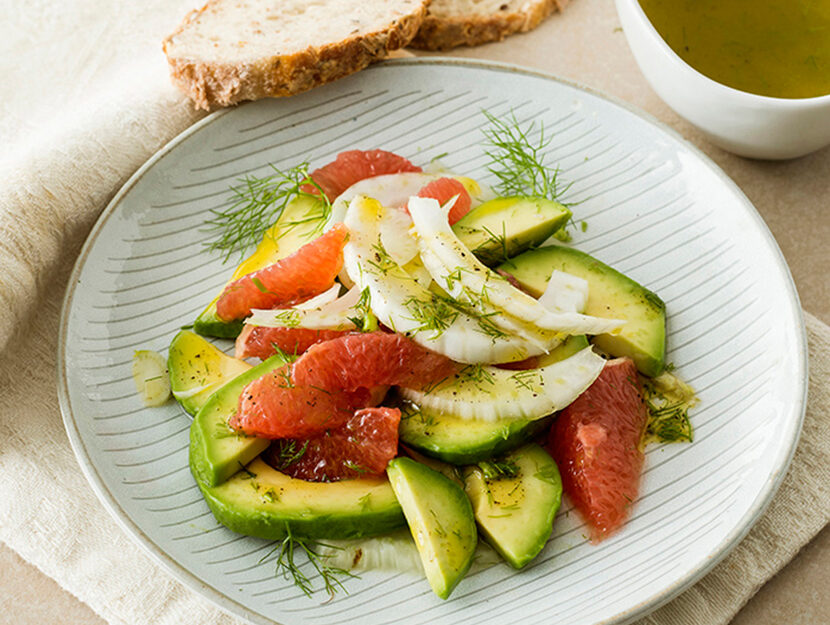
(611, 295)
(197, 369)
(515, 514)
(503, 227)
(440, 519)
(260, 501)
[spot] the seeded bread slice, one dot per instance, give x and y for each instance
(234, 50)
(451, 23)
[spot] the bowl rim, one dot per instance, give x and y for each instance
(725, 90)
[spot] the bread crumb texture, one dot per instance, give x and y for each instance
(234, 50)
(452, 23)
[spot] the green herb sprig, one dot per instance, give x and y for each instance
(498, 469)
(668, 400)
(517, 161)
(669, 424)
(257, 204)
(286, 565)
(287, 452)
(365, 319)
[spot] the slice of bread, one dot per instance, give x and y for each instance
(451, 23)
(234, 50)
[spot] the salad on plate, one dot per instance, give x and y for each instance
(421, 366)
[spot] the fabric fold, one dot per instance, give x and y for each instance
(53, 194)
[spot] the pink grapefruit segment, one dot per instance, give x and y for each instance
(596, 443)
(365, 360)
(443, 190)
(356, 165)
(261, 342)
(273, 407)
(307, 272)
(361, 447)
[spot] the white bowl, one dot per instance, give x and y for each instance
(739, 122)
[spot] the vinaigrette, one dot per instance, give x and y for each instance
(775, 48)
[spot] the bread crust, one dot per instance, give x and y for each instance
(212, 84)
(443, 33)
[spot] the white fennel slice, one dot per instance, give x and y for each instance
(465, 278)
(397, 236)
(391, 190)
(150, 376)
(394, 190)
(392, 552)
(403, 304)
(416, 269)
(565, 292)
(334, 314)
(318, 301)
(490, 393)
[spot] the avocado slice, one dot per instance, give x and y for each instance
(299, 223)
(515, 513)
(197, 368)
(610, 295)
(464, 441)
(216, 450)
(503, 227)
(441, 521)
(260, 501)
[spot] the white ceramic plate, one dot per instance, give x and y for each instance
(655, 208)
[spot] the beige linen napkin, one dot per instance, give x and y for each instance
(85, 101)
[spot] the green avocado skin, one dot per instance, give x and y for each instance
(216, 451)
(611, 295)
(208, 323)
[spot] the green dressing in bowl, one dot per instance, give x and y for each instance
(767, 47)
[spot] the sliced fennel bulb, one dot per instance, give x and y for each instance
(334, 314)
(393, 552)
(391, 190)
(150, 376)
(401, 303)
(491, 393)
(565, 293)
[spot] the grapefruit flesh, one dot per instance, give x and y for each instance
(369, 359)
(272, 406)
(443, 190)
(596, 442)
(307, 272)
(356, 165)
(261, 342)
(361, 447)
